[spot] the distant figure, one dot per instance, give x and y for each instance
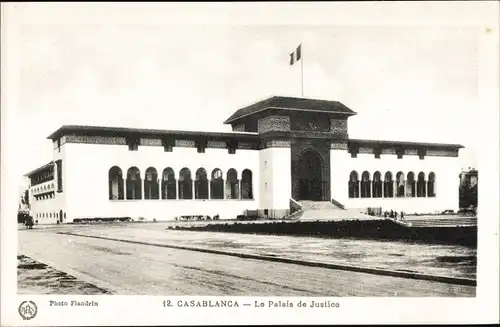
(392, 214)
(385, 214)
(29, 222)
(402, 215)
(395, 215)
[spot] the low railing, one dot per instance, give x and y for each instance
(294, 206)
(296, 210)
(338, 204)
(400, 222)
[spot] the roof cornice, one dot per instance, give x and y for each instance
(127, 131)
(229, 120)
(36, 170)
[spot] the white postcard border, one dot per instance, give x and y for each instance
(148, 310)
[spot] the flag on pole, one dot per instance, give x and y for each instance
(295, 56)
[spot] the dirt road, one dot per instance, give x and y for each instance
(133, 269)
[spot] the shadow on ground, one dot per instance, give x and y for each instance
(34, 277)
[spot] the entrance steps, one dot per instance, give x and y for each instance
(325, 210)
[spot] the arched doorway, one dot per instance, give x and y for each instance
(310, 176)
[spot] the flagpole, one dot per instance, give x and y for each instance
(302, 67)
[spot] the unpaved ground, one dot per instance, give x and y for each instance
(135, 269)
(34, 277)
(443, 260)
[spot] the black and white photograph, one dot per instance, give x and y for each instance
(189, 163)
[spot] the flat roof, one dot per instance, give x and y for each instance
(126, 131)
(332, 137)
(291, 103)
(241, 136)
(406, 143)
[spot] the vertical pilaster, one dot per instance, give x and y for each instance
(340, 169)
(240, 191)
(276, 177)
(209, 181)
(193, 189)
(177, 196)
(124, 188)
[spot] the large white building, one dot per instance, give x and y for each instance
(280, 149)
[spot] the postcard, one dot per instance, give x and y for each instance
(249, 163)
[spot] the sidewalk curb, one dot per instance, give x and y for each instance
(392, 273)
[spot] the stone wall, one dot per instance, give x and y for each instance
(398, 150)
(339, 128)
(274, 123)
(93, 139)
(309, 121)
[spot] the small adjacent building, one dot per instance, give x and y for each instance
(281, 148)
(468, 188)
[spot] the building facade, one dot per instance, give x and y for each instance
(281, 148)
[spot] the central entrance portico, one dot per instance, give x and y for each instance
(310, 173)
(305, 126)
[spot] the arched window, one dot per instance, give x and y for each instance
(431, 192)
(115, 181)
(365, 185)
(246, 184)
(201, 184)
(134, 185)
(168, 184)
(388, 185)
(400, 185)
(185, 184)
(421, 185)
(232, 184)
(410, 185)
(353, 185)
(216, 185)
(151, 189)
(377, 185)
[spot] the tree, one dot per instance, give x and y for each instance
(467, 195)
(26, 198)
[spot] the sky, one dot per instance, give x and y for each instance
(407, 83)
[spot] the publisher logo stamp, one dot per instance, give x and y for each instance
(27, 310)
